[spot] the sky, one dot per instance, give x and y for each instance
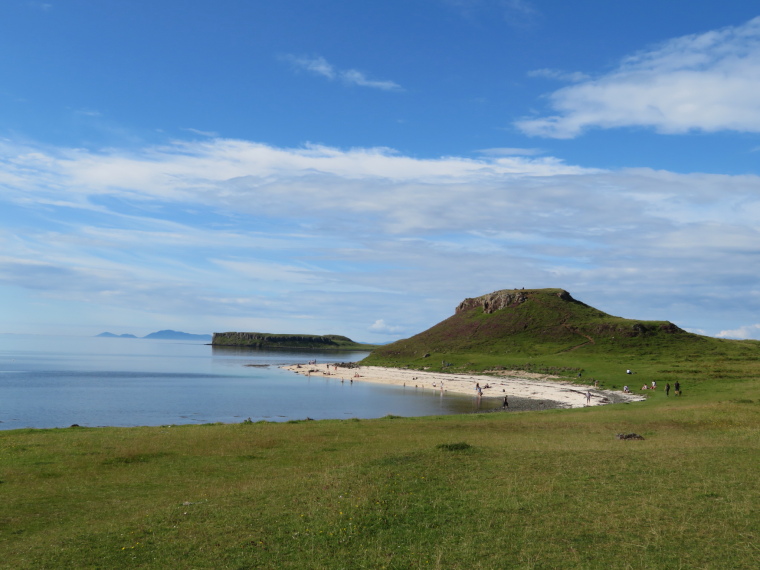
(359, 168)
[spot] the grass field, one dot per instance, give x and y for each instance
(552, 489)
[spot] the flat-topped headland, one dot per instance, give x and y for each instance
(296, 341)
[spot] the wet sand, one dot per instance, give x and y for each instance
(525, 391)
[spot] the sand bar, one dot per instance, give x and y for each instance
(517, 384)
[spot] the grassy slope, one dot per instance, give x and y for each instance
(550, 489)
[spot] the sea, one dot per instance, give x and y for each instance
(56, 382)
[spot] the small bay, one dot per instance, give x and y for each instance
(48, 381)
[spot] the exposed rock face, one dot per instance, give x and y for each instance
(502, 299)
(494, 301)
(670, 328)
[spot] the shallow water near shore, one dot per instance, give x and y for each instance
(48, 382)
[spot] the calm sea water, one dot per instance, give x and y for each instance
(59, 381)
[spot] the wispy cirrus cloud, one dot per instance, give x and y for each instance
(210, 134)
(559, 75)
(320, 66)
(513, 12)
(702, 82)
(44, 6)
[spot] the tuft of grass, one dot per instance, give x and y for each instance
(134, 458)
(460, 446)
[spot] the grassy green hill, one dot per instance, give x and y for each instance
(546, 330)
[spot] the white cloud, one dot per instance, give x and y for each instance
(380, 326)
(358, 78)
(556, 74)
(44, 6)
(315, 65)
(234, 228)
(320, 66)
(514, 12)
(743, 332)
(704, 82)
(210, 134)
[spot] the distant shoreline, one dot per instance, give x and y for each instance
(556, 393)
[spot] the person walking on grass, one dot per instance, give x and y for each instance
(677, 388)
(667, 389)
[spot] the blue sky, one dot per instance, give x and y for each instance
(359, 168)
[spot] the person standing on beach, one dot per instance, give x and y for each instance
(506, 401)
(588, 397)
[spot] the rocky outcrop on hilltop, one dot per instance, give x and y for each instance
(503, 299)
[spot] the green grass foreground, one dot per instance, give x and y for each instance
(551, 489)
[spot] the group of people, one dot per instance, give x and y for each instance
(676, 387)
(479, 389)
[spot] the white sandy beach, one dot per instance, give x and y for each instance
(517, 384)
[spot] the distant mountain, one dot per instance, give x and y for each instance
(177, 335)
(162, 335)
(111, 335)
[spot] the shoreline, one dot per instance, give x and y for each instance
(521, 386)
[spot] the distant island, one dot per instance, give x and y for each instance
(161, 335)
(300, 341)
(111, 335)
